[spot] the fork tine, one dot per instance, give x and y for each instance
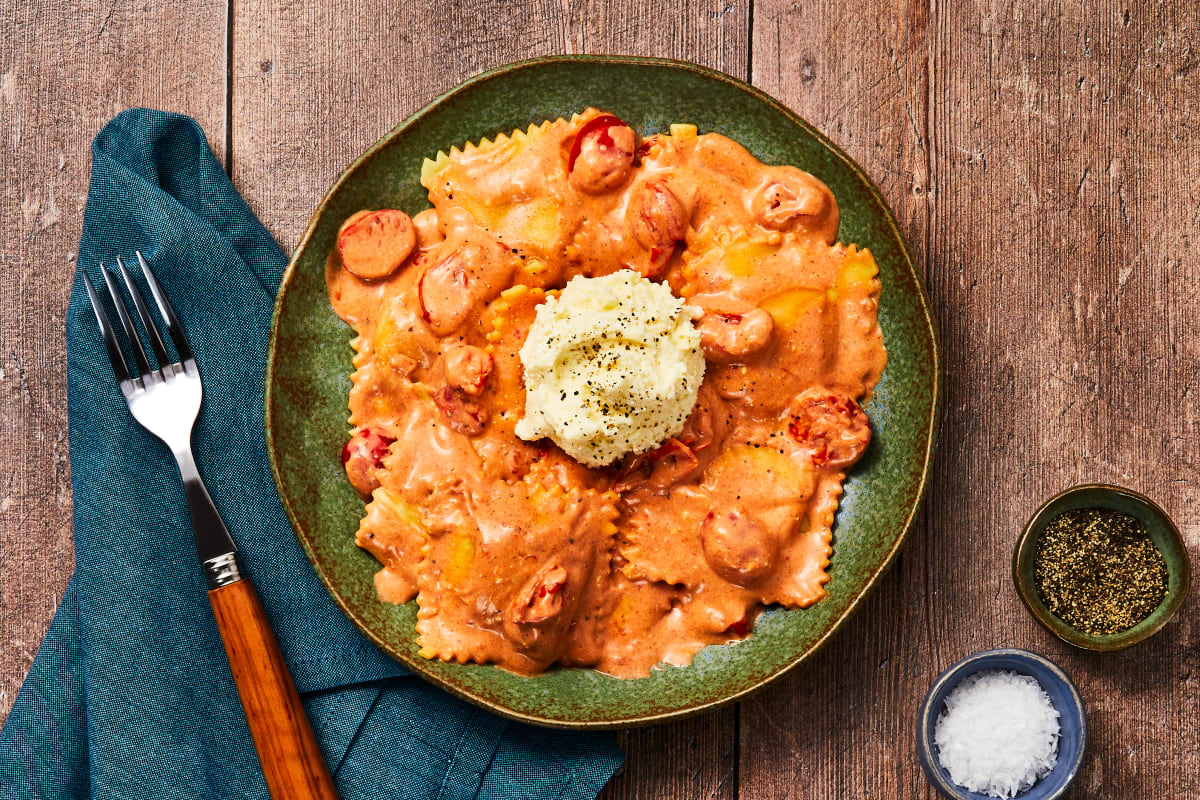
(156, 342)
(164, 307)
(106, 330)
(139, 353)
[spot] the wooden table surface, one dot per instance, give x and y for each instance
(1043, 159)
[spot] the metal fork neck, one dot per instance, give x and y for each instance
(186, 461)
(214, 546)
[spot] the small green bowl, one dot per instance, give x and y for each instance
(1161, 529)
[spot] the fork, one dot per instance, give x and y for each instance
(166, 401)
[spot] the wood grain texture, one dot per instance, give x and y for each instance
(842, 726)
(283, 738)
(313, 88)
(1043, 162)
(65, 70)
(1041, 156)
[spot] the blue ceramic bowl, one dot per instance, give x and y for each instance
(1058, 687)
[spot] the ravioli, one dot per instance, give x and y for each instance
(516, 554)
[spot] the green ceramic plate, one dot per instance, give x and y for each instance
(1161, 530)
(308, 371)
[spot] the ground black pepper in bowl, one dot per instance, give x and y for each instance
(1099, 571)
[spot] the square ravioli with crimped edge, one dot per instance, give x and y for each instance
(497, 574)
(512, 186)
(521, 556)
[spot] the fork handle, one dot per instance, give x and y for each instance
(287, 749)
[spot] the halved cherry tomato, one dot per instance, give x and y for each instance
(362, 456)
(602, 155)
(741, 628)
(832, 424)
(465, 416)
(541, 598)
(598, 128)
(628, 477)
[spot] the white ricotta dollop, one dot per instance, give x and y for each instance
(612, 366)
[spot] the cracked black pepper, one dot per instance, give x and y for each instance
(1099, 571)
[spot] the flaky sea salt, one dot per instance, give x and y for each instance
(999, 733)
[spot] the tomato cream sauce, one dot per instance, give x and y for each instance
(516, 554)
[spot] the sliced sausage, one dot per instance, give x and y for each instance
(737, 546)
(373, 244)
(660, 222)
(728, 336)
(794, 200)
(467, 368)
(444, 292)
(535, 608)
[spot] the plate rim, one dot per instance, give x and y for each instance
(933, 421)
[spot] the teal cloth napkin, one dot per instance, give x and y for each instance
(130, 695)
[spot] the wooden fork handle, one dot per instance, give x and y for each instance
(287, 749)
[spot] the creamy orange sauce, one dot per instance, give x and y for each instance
(518, 555)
